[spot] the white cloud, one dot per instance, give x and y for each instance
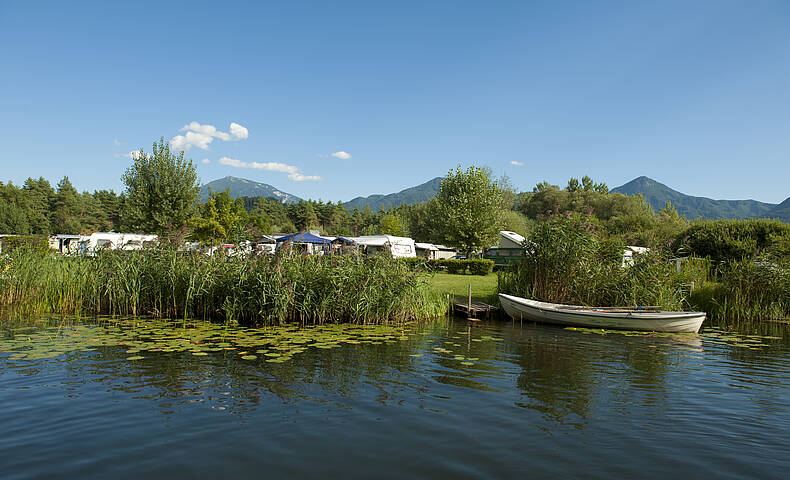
(238, 132)
(342, 155)
(205, 161)
(518, 164)
(198, 135)
(291, 170)
(298, 177)
(116, 142)
(191, 139)
(133, 154)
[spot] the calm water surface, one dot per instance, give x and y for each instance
(451, 399)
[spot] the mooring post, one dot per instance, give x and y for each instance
(469, 303)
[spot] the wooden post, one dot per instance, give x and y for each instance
(469, 303)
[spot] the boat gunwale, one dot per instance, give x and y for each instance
(661, 315)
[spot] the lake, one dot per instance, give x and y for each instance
(448, 399)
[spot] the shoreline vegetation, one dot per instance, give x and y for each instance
(744, 276)
(259, 290)
(733, 269)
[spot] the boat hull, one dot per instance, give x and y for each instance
(654, 321)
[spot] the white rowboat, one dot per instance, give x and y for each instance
(621, 318)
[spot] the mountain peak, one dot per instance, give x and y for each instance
(242, 187)
(657, 195)
(420, 193)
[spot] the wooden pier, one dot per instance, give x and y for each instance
(474, 309)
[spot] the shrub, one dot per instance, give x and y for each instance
(454, 266)
(480, 266)
(732, 240)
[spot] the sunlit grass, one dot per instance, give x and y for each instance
(262, 290)
(484, 288)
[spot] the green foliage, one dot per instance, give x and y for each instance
(480, 266)
(37, 208)
(390, 224)
(750, 289)
(261, 290)
(569, 260)
(734, 240)
(468, 209)
(30, 243)
(161, 190)
(475, 266)
(514, 221)
(221, 219)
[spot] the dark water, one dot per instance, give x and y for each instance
(528, 402)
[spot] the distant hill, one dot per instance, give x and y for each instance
(240, 187)
(781, 211)
(657, 194)
(418, 194)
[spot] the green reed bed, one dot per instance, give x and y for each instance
(567, 261)
(261, 290)
(749, 290)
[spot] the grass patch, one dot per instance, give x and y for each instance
(484, 288)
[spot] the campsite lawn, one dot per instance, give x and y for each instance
(483, 287)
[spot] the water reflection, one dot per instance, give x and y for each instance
(489, 383)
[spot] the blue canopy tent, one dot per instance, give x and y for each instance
(303, 237)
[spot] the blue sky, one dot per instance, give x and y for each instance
(693, 94)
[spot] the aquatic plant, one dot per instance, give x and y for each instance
(567, 260)
(749, 289)
(259, 290)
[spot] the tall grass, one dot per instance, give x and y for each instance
(748, 290)
(259, 290)
(568, 261)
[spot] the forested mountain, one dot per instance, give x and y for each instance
(657, 195)
(409, 196)
(240, 187)
(781, 211)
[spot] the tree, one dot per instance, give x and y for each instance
(40, 196)
(390, 224)
(66, 209)
(468, 209)
(161, 190)
(222, 219)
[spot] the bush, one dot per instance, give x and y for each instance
(480, 266)
(36, 243)
(734, 240)
(454, 266)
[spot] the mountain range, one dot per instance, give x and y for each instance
(241, 187)
(420, 193)
(656, 194)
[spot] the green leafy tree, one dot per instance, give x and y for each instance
(390, 224)
(468, 209)
(161, 190)
(222, 219)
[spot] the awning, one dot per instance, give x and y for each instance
(303, 238)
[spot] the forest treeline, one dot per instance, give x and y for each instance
(36, 207)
